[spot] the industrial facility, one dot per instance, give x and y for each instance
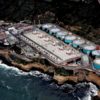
(59, 46)
(89, 51)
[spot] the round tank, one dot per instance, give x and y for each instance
(96, 53)
(96, 63)
(78, 42)
(87, 49)
(70, 38)
(54, 31)
(46, 26)
(61, 35)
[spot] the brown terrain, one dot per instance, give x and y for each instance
(59, 78)
(94, 78)
(28, 67)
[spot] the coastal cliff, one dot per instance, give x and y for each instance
(60, 79)
(81, 17)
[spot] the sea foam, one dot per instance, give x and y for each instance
(79, 89)
(17, 71)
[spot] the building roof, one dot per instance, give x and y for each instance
(55, 50)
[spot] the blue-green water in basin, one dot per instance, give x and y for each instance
(18, 85)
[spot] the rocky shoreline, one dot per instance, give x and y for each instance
(81, 18)
(60, 79)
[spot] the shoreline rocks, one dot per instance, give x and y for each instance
(91, 77)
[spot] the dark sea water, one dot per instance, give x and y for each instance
(34, 85)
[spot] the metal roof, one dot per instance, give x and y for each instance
(55, 50)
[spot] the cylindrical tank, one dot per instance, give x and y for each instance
(88, 48)
(96, 53)
(96, 63)
(85, 60)
(53, 31)
(45, 27)
(77, 43)
(61, 35)
(69, 38)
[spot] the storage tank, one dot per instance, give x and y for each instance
(88, 48)
(61, 35)
(53, 31)
(96, 63)
(85, 60)
(45, 27)
(69, 39)
(77, 43)
(96, 53)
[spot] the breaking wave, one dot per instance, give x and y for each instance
(16, 71)
(81, 91)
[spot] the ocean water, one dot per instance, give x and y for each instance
(34, 85)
